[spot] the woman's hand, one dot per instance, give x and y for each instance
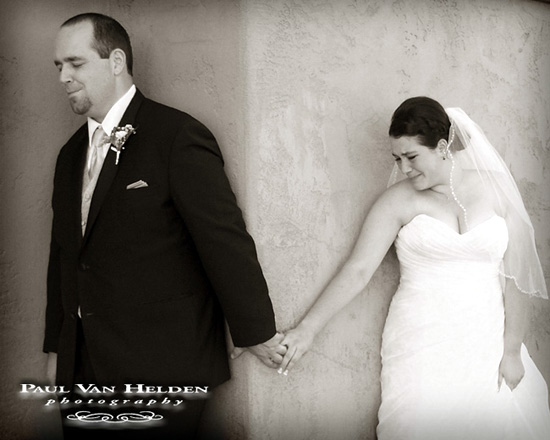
(511, 370)
(270, 352)
(298, 341)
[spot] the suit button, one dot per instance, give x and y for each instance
(84, 267)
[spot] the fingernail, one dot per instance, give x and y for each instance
(285, 373)
(280, 370)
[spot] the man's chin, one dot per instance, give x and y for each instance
(80, 108)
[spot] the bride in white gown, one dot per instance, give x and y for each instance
(443, 341)
(452, 366)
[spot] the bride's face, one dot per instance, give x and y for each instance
(422, 165)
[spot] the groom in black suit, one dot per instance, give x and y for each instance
(149, 251)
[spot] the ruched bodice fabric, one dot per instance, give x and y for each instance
(443, 341)
(424, 245)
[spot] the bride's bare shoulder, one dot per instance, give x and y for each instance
(402, 190)
(399, 197)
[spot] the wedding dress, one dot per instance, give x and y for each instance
(443, 342)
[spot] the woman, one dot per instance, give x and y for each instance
(452, 366)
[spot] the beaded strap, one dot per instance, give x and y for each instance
(464, 212)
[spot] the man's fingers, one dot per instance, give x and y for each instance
(274, 356)
(275, 340)
(269, 362)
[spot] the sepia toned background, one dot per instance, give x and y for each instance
(299, 94)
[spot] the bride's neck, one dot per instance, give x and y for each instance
(452, 183)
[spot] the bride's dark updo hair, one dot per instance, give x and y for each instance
(422, 117)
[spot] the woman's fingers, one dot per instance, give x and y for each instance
(288, 360)
(290, 345)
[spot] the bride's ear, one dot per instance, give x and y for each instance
(442, 148)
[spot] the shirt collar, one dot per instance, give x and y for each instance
(113, 117)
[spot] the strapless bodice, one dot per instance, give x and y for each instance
(429, 249)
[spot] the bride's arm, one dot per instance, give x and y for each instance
(377, 234)
(515, 322)
(511, 367)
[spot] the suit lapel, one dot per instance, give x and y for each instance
(109, 169)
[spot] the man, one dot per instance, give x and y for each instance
(149, 251)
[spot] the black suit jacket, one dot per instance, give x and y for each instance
(160, 267)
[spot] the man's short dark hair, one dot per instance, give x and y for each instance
(108, 35)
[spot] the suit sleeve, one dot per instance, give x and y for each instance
(208, 206)
(54, 307)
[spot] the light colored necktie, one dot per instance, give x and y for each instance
(91, 174)
(96, 161)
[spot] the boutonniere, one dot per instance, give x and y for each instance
(119, 135)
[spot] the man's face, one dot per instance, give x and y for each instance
(88, 79)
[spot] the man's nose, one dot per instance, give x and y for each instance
(64, 75)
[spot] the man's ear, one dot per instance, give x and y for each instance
(118, 61)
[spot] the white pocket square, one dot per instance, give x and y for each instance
(138, 184)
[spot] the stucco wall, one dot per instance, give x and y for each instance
(299, 94)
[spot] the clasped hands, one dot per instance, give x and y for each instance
(282, 351)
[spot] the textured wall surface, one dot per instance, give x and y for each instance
(299, 94)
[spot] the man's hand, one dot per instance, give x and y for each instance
(51, 368)
(270, 352)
